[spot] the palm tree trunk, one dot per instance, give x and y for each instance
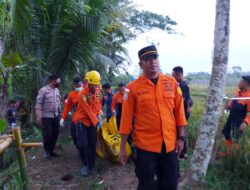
(3, 98)
(205, 142)
(3, 86)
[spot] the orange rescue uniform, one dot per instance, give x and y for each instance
(157, 110)
(242, 94)
(117, 99)
(89, 107)
(69, 103)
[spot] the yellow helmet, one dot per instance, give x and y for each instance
(94, 77)
(87, 76)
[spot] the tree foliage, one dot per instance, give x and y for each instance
(70, 37)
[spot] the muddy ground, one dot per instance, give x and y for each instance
(63, 173)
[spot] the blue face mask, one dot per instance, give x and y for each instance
(78, 89)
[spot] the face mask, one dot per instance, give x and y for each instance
(56, 85)
(78, 89)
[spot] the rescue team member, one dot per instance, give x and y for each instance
(70, 106)
(177, 73)
(107, 99)
(239, 116)
(88, 112)
(116, 106)
(155, 104)
(47, 111)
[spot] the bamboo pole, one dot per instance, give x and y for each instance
(21, 158)
(5, 144)
(5, 136)
(24, 145)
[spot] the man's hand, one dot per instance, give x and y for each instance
(38, 118)
(243, 126)
(99, 124)
(38, 121)
(123, 156)
(179, 146)
(113, 113)
(61, 122)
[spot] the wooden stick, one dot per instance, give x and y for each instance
(32, 145)
(5, 136)
(7, 142)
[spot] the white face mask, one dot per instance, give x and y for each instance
(78, 89)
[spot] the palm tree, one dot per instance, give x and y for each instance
(66, 37)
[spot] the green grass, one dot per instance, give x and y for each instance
(231, 173)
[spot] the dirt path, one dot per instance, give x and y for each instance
(63, 173)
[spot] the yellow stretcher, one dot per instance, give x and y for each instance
(108, 141)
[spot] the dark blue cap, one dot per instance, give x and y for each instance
(121, 84)
(246, 78)
(146, 51)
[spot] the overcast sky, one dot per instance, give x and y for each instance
(195, 19)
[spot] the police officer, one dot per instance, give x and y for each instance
(47, 112)
(88, 117)
(155, 105)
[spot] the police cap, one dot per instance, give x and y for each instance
(146, 51)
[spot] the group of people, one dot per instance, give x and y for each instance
(85, 101)
(153, 108)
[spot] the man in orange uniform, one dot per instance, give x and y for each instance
(154, 102)
(239, 116)
(70, 105)
(88, 112)
(116, 105)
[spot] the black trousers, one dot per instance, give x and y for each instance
(50, 131)
(86, 142)
(163, 165)
(73, 133)
(118, 121)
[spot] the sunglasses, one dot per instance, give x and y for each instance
(148, 57)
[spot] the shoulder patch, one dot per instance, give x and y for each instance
(125, 95)
(84, 98)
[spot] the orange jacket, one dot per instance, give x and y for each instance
(117, 98)
(89, 107)
(240, 93)
(156, 110)
(69, 102)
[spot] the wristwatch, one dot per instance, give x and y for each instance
(183, 138)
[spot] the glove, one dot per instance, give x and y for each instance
(61, 122)
(99, 117)
(99, 124)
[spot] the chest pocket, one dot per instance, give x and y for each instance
(48, 97)
(145, 103)
(169, 99)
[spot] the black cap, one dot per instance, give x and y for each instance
(246, 78)
(77, 80)
(149, 50)
(121, 84)
(106, 86)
